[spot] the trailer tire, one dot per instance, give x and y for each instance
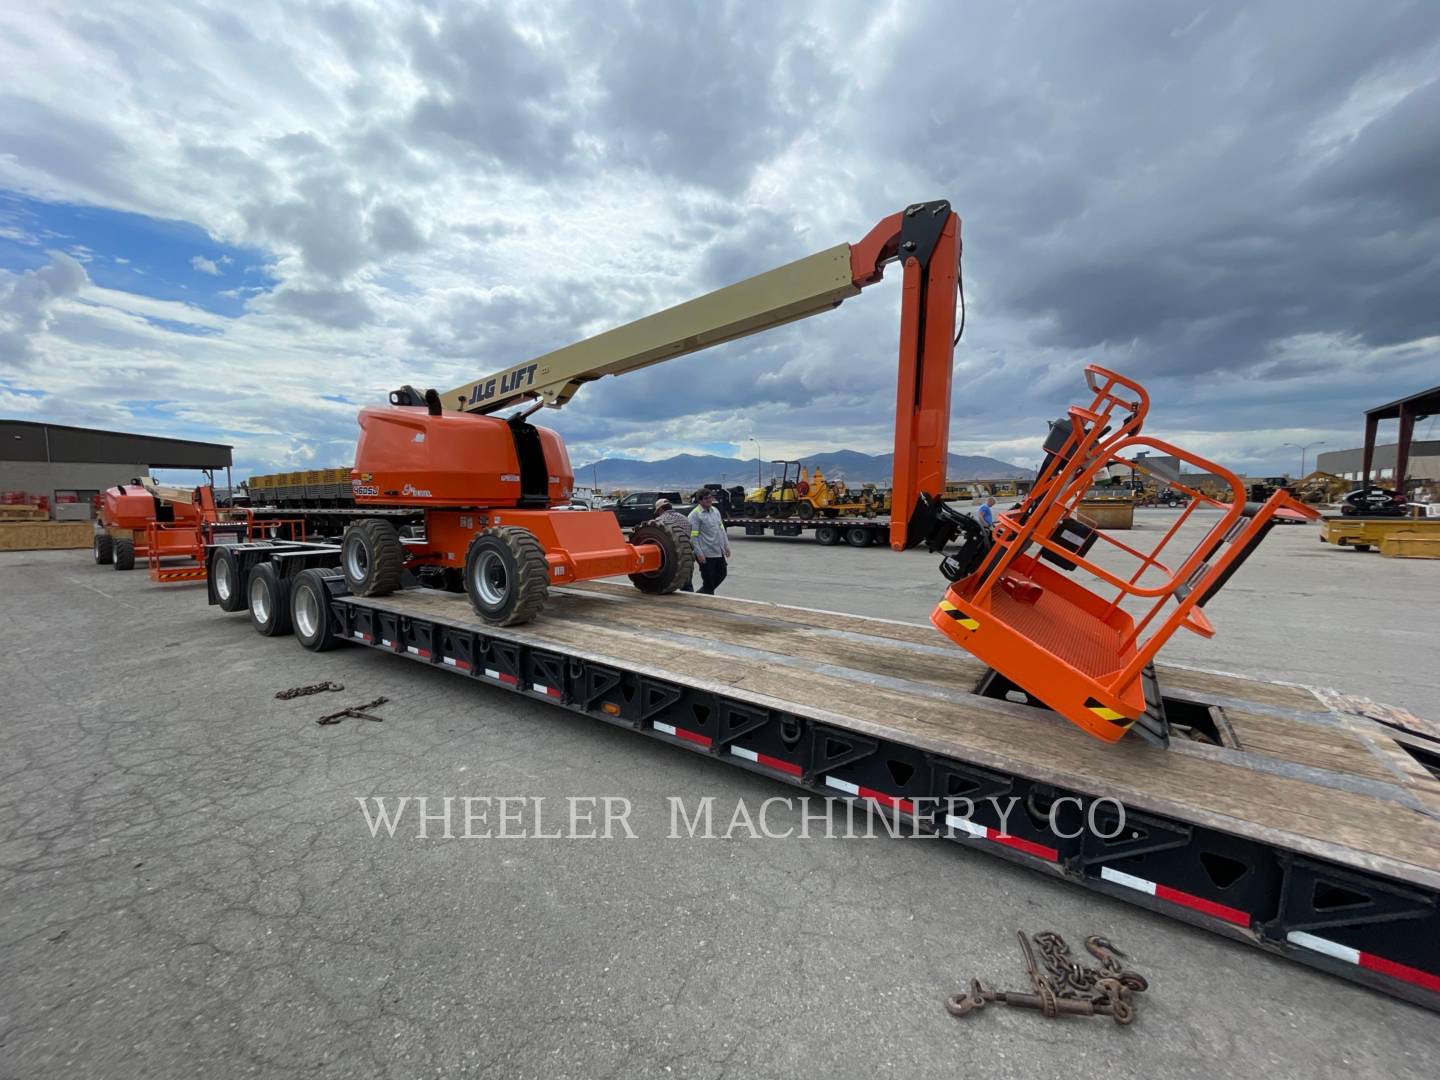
(506, 575)
(226, 580)
(124, 552)
(269, 596)
(677, 562)
(104, 549)
(829, 535)
(372, 557)
(310, 610)
(859, 536)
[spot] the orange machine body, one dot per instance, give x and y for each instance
(127, 510)
(408, 457)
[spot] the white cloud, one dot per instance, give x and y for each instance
(443, 191)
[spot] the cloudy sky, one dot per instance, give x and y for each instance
(240, 222)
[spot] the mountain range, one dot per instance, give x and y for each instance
(691, 470)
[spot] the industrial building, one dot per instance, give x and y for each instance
(1424, 464)
(70, 465)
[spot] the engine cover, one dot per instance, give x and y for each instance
(408, 457)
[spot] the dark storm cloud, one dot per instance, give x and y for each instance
(1160, 184)
(490, 91)
(703, 92)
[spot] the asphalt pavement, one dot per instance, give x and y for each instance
(189, 888)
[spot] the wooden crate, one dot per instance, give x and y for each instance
(45, 535)
(1108, 513)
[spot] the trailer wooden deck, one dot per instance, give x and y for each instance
(1312, 830)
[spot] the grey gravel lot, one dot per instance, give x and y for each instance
(188, 887)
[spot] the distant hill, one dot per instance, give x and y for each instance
(692, 470)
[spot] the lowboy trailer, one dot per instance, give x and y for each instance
(1296, 820)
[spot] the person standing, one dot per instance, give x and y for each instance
(665, 511)
(987, 513)
(711, 542)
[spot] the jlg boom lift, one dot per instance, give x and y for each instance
(492, 489)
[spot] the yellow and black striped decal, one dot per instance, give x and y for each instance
(1107, 713)
(959, 616)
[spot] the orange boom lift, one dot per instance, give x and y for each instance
(494, 489)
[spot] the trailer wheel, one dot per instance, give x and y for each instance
(310, 610)
(829, 535)
(226, 580)
(124, 551)
(269, 601)
(859, 536)
(104, 549)
(506, 575)
(372, 557)
(677, 561)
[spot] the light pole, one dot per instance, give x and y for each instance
(1302, 450)
(758, 482)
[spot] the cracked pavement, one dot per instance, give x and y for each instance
(188, 887)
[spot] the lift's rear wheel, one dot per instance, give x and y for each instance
(829, 535)
(310, 610)
(225, 580)
(269, 601)
(104, 550)
(506, 575)
(859, 536)
(677, 557)
(124, 554)
(372, 557)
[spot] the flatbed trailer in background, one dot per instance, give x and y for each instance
(1300, 821)
(855, 531)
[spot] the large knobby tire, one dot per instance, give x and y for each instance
(677, 557)
(269, 596)
(829, 535)
(506, 575)
(124, 551)
(859, 536)
(226, 581)
(372, 557)
(310, 610)
(104, 549)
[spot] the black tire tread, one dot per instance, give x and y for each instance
(104, 549)
(239, 598)
(674, 541)
(279, 587)
(532, 574)
(124, 554)
(387, 558)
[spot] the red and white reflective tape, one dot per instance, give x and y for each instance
(424, 654)
(361, 635)
(508, 680)
(1175, 896)
(985, 832)
(387, 643)
(463, 665)
(788, 768)
(1368, 961)
(548, 691)
(682, 733)
(860, 792)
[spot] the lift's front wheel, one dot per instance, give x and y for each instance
(677, 557)
(506, 575)
(372, 557)
(124, 555)
(104, 550)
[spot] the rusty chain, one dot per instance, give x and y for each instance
(306, 691)
(1065, 987)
